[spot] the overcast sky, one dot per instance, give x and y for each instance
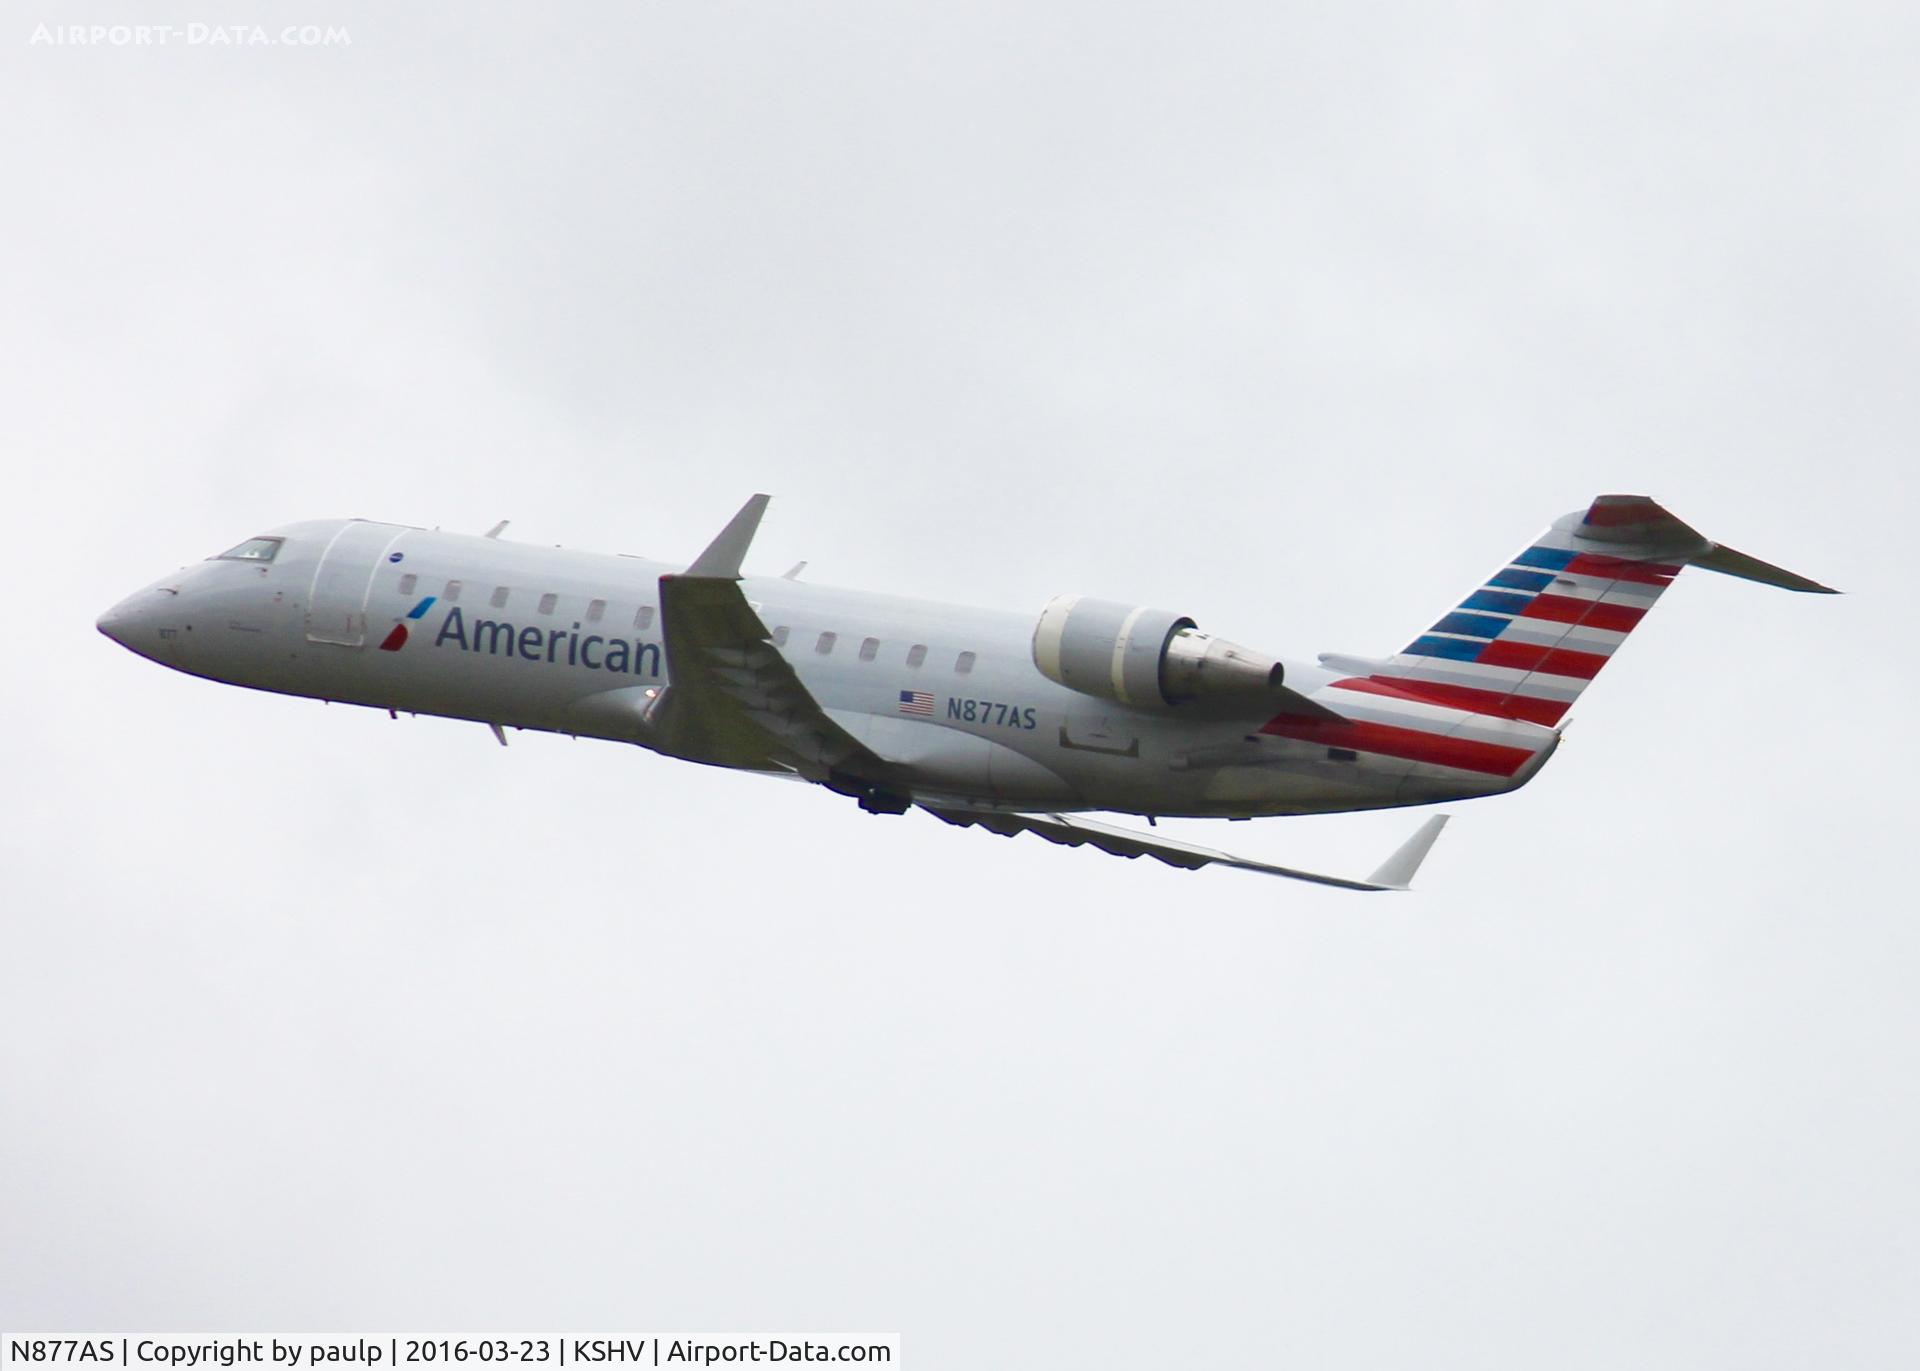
(1294, 319)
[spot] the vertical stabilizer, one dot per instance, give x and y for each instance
(1526, 642)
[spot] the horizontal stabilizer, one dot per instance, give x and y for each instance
(1728, 562)
(1654, 531)
(1396, 873)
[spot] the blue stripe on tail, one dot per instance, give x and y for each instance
(1459, 649)
(1471, 625)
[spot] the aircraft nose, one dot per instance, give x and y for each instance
(139, 622)
(114, 623)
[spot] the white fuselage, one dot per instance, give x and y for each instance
(570, 642)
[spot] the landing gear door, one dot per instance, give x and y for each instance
(337, 604)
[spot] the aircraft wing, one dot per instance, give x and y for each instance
(1396, 873)
(733, 698)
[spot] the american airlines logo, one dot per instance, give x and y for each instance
(397, 639)
(531, 643)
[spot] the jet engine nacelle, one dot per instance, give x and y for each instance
(1145, 657)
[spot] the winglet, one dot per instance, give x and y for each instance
(724, 554)
(1396, 872)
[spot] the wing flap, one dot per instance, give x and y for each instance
(732, 698)
(1396, 873)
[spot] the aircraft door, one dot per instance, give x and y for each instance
(337, 604)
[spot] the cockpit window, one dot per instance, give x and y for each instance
(253, 550)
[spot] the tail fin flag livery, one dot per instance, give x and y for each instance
(1532, 637)
(1009, 722)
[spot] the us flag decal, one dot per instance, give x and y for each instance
(916, 702)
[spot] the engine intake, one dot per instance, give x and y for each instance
(1145, 657)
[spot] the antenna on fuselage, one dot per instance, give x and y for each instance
(498, 528)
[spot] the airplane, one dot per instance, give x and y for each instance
(1009, 722)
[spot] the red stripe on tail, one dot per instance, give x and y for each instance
(1552, 660)
(1468, 698)
(1622, 569)
(1462, 754)
(1564, 609)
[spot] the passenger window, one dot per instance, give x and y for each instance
(595, 609)
(408, 582)
(548, 601)
(964, 663)
(453, 592)
(643, 617)
(917, 654)
(780, 636)
(500, 594)
(825, 645)
(869, 649)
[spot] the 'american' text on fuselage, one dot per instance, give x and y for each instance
(552, 645)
